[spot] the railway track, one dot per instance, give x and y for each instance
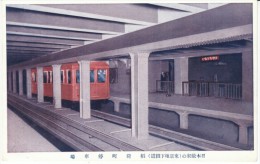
(168, 134)
(76, 135)
(81, 138)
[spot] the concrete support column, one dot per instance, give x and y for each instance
(243, 134)
(14, 81)
(85, 109)
(139, 95)
(56, 86)
(40, 96)
(184, 120)
(180, 73)
(9, 81)
(116, 106)
(29, 83)
(20, 82)
(247, 76)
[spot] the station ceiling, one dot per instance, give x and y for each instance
(36, 30)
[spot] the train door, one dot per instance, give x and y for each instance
(99, 83)
(93, 84)
(102, 82)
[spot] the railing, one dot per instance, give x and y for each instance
(212, 89)
(164, 86)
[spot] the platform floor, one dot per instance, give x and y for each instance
(210, 103)
(23, 138)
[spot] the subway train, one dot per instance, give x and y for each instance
(70, 79)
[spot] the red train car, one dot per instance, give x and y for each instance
(70, 78)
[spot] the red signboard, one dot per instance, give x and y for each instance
(209, 58)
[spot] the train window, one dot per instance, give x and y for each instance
(113, 75)
(62, 76)
(69, 76)
(50, 77)
(92, 76)
(45, 76)
(77, 76)
(102, 75)
(33, 77)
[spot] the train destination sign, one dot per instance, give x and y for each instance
(209, 58)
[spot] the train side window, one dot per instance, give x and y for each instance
(62, 76)
(113, 75)
(45, 76)
(77, 76)
(50, 77)
(92, 77)
(33, 77)
(102, 75)
(69, 76)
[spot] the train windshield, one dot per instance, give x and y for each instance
(92, 76)
(50, 77)
(101, 75)
(45, 75)
(77, 76)
(61, 76)
(68, 76)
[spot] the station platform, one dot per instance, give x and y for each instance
(197, 116)
(209, 103)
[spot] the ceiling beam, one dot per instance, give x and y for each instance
(51, 32)
(29, 51)
(23, 55)
(78, 14)
(60, 28)
(32, 44)
(32, 48)
(182, 7)
(55, 41)
(49, 36)
(62, 21)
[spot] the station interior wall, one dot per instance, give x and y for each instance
(228, 69)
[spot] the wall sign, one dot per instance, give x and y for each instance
(209, 58)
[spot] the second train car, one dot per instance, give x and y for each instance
(70, 79)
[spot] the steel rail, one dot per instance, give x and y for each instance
(69, 138)
(121, 145)
(168, 134)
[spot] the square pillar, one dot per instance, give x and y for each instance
(20, 82)
(184, 120)
(9, 82)
(56, 86)
(40, 96)
(14, 82)
(85, 109)
(247, 76)
(243, 133)
(29, 83)
(116, 106)
(180, 73)
(139, 95)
